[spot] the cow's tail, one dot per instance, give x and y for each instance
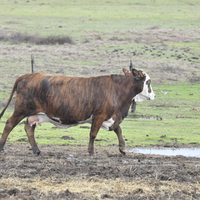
(11, 95)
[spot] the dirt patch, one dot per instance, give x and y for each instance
(68, 172)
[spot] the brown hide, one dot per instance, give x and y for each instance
(75, 99)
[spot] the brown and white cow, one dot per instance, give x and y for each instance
(66, 101)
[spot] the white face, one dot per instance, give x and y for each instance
(147, 92)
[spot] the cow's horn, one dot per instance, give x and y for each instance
(131, 65)
(32, 63)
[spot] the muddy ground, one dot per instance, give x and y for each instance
(68, 172)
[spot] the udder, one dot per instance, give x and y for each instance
(37, 119)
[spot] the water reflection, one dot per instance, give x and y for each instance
(169, 152)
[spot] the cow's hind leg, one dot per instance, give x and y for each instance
(10, 124)
(30, 133)
(118, 131)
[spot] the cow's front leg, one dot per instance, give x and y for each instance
(118, 131)
(30, 133)
(96, 124)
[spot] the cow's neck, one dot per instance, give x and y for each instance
(126, 90)
(125, 87)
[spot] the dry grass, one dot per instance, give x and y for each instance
(194, 79)
(99, 187)
(18, 37)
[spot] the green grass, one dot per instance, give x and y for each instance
(174, 115)
(74, 17)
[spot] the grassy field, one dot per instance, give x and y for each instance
(77, 18)
(160, 36)
(171, 120)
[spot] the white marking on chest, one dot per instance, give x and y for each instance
(107, 124)
(42, 118)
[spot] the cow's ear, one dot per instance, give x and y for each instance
(139, 74)
(126, 72)
(135, 74)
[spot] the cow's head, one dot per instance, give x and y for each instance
(147, 91)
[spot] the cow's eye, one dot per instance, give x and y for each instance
(148, 82)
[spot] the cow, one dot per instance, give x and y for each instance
(67, 101)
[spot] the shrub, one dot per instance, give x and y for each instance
(19, 37)
(194, 79)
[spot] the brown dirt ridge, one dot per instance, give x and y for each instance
(68, 172)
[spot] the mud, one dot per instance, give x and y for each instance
(68, 172)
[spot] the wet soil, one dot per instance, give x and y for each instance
(68, 172)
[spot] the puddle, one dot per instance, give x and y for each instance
(188, 152)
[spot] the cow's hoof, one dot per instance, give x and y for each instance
(121, 150)
(91, 153)
(1, 150)
(37, 152)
